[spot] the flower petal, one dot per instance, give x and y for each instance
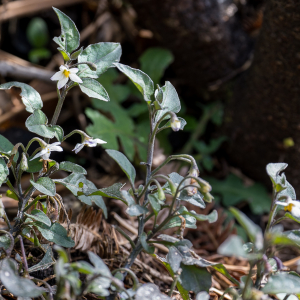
(281, 203)
(99, 141)
(61, 83)
(56, 148)
(73, 70)
(55, 144)
(62, 68)
(75, 78)
(78, 147)
(90, 143)
(57, 76)
(39, 154)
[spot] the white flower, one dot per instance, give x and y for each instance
(45, 153)
(63, 76)
(90, 142)
(293, 206)
(175, 124)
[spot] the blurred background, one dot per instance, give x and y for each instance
(234, 63)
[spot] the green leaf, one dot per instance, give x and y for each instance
(254, 231)
(3, 171)
(145, 245)
(34, 165)
(55, 233)
(103, 55)
(37, 32)
(6, 146)
(12, 195)
(233, 191)
(5, 241)
(282, 283)
(58, 132)
(293, 235)
(195, 279)
(290, 216)
(170, 101)
(18, 286)
(30, 97)
(69, 37)
(113, 191)
(45, 185)
(136, 210)
(174, 258)
(176, 222)
(71, 167)
(124, 164)
(72, 182)
(196, 199)
(141, 80)
(75, 54)
(233, 246)
(211, 218)
(273, 170)
(98, 200)
(65, 55)
(37, 123)
(154, 61)
(105, 129)
(93, 89)
(40, 216)
(45, 263)
(154, 202)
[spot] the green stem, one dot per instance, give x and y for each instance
(76, 131)
(272, 213)
(12, 188)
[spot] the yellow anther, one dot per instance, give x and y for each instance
(289, 207)
(66, 73)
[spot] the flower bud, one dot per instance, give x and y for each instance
(173, 187)
(161, 194)
(208, 197)
(175, 123)
(205, 186)
(24, 162)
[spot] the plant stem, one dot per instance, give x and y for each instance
(24, 255)
(176, 276)
(272, 213)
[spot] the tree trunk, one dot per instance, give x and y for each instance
(266, 106)
(206, 37)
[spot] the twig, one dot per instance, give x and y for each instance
(23, 255)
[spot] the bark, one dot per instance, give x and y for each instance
(266, 106)
(207, 42)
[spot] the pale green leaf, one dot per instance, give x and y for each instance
(170, 101)
(45, 185)
(18, 286)
(141, 80)
(3, 171)
(103, 55)
(93, 89)
(30, 97)
(55, 233)
(40, 216)
(71, 167)
(69, 37)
